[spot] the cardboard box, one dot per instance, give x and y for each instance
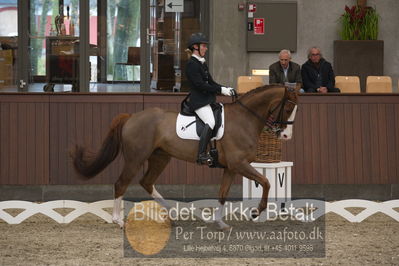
(6, 75)
(6, 57)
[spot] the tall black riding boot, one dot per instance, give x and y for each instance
(203, 155)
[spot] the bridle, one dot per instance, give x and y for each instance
(273, 125)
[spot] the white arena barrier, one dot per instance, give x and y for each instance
(47, 208)
(97, 208)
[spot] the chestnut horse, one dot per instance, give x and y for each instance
(150, 135)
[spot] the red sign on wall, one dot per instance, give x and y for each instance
(259, 26)
(251, 7)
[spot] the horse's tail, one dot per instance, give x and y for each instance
(89, 164)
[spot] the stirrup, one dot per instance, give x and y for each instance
(205, 159)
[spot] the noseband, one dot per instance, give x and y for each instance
(274, 126)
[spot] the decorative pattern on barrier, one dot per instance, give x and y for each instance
(47, 208)
(97, 208)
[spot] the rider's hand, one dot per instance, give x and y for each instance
(233, 92)
(228, 91)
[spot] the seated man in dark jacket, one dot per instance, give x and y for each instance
(317, 73)
(284, 70)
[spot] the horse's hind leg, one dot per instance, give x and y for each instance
(156, 164)
(120, 187)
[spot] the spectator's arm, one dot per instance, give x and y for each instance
(298, 76)
(308, 84)
(331, 78)
(272, 76)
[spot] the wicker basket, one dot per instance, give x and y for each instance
(269, 148)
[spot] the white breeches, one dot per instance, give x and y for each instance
(206, 115)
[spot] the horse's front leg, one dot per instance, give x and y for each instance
(227, 180)
(245, 169)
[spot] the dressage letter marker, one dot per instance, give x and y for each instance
(279, 176)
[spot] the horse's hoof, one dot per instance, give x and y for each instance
(223, 226)
(119, 222)
(254, 214)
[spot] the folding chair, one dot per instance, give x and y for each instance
(247, 83)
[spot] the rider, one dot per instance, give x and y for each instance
(203, 90)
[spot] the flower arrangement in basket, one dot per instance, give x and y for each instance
(359, 22)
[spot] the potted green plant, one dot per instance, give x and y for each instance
(359, 23)
(359, 52)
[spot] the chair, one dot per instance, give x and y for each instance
(379, 84)
(133, 59)
(348, 84)
(247, 83)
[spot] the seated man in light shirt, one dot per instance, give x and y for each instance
(285, 71)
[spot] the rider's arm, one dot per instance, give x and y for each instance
(193, 73)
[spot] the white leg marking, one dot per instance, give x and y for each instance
(116, 213)
(219, 219)
(158, 198)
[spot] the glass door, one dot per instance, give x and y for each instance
(123, 44)
(54, 45)
(8, 44)
(170, 25)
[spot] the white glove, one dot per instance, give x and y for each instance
(228, 91)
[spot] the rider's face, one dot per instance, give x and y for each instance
(202, 49)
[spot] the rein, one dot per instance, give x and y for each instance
(270, 123)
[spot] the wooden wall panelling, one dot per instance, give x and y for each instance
(382, 143)
(4, 143)
(332, 143)
(348, 149)
(391, 142)
(395, 140)
(374, 143)
(324, 148)
(315, 143)
(85, 121)
(24, 139)
(342, 177)
(357, 144)
(366, 145)
(309, 160)
(297, 144)
(337, 139)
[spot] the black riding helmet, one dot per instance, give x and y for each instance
(196, 38)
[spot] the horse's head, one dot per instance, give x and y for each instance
(279, 108)
(282, 114)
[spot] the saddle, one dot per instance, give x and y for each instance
(217, 109)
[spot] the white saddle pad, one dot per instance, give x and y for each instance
(187, 129)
